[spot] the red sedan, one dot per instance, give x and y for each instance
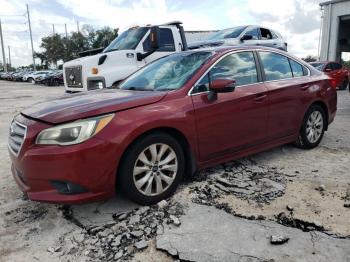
(336, 71)
(179, 114)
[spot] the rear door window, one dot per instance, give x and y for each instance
(253, 32)
(276, 66)
(336, 66)
(329, 66)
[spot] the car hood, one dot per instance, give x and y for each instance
(72, 107)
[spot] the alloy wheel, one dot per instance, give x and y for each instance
(155, 169)
(314, 126)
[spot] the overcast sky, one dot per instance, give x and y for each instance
(297, 20)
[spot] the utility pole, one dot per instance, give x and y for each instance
(3, 49)
(9, 57)
(31, 38)
(65, 29)
(78, 26)
(53, 29)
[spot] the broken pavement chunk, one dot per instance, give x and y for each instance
(278, 239)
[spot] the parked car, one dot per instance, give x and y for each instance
(3, 75)
(18, 76)
(54, 78)
(181, 113)
(243, 35)
(338, 72)
(34, 75)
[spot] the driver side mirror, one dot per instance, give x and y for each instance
(220, 85)
(246, 37)
(154, 37)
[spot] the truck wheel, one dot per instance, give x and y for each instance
(152, 168)
(313, 128)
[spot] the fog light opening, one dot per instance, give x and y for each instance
(67, 188)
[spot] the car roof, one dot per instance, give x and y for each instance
(225, 49)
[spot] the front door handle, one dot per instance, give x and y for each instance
(260, 97)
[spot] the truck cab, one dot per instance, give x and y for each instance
(131, 50)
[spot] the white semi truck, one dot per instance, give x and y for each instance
(127, 53)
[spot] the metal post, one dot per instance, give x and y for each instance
(9, 56)
(78, 26)
(3, 49)
(31, 38)
(65, 29)
(53, 29)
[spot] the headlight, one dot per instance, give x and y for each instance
(73, 133)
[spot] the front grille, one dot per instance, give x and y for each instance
(73, 76)
(16, 137)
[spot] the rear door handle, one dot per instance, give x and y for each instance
(260, 97)
(305, 87)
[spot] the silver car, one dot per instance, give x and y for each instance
(243, 35)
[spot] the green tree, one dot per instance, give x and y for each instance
(104, 36)
(53, 48)
(310, 58)
(56, 48)
(75, 44)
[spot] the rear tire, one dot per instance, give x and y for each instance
(152, 168)
(313, 128)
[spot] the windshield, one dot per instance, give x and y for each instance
(227, 33)
(168, 73)
(128, 40)
(318, 66)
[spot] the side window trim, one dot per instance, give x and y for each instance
(257, 65)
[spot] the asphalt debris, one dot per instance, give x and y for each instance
(130, 232)
(243, 179)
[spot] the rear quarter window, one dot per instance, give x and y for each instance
(297, 69)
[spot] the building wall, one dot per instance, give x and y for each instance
(330, 28)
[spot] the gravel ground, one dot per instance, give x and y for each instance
(285, 204)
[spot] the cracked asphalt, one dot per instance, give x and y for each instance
(229, 212)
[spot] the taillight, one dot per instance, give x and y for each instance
(333, 83)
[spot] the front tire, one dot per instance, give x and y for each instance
(152, 168)
(313, 128)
